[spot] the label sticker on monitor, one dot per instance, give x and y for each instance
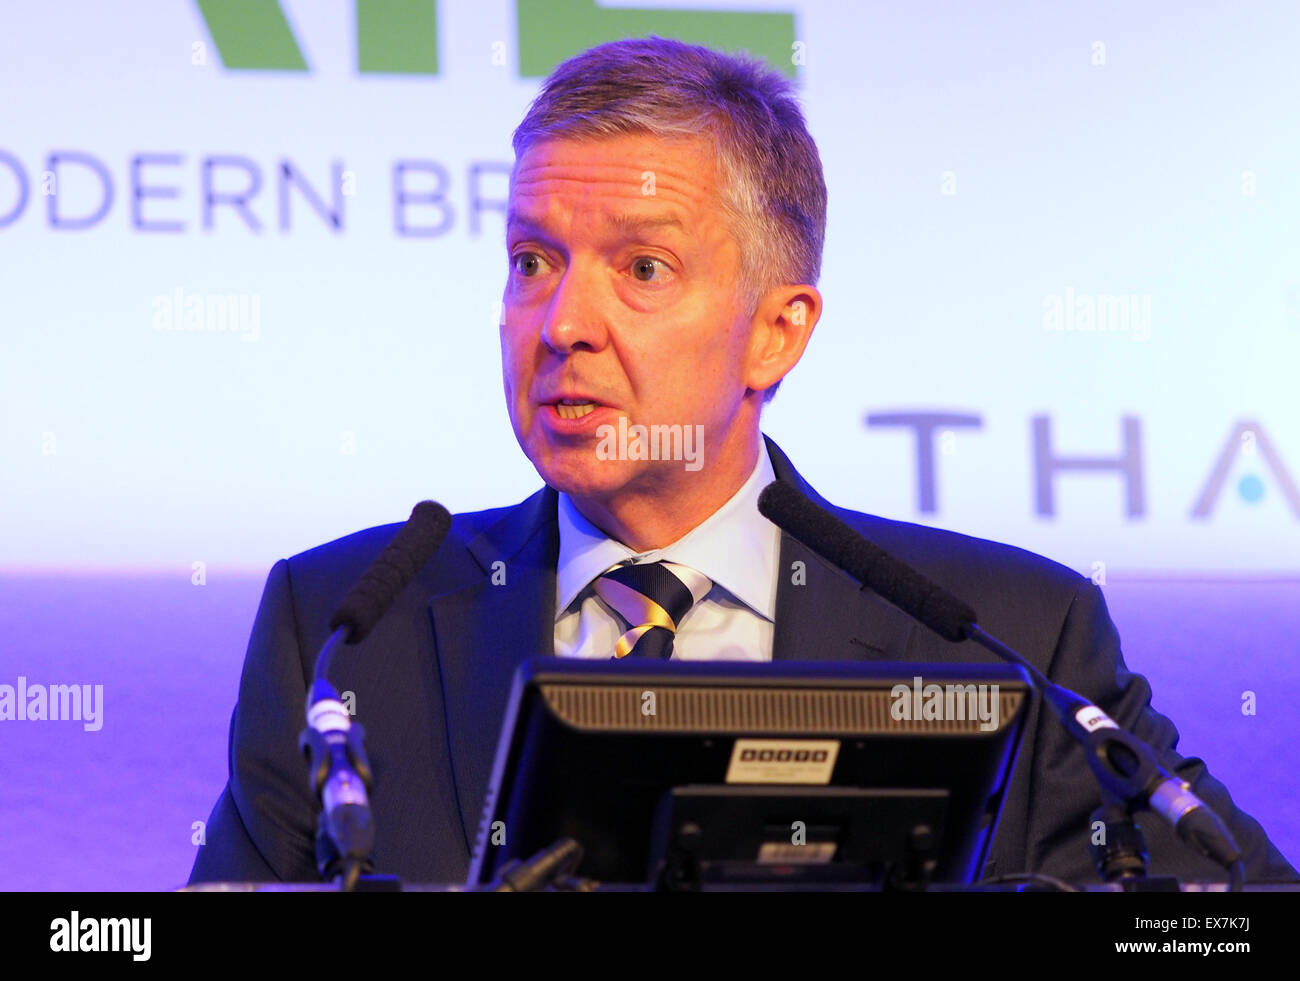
(787, 853)
(797, 761)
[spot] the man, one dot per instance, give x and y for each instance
(664, 235)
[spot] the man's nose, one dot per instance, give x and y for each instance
(574, 321)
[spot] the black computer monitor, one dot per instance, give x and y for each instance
(784, 774)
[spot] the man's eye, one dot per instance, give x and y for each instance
(527, 263)
(648, 269)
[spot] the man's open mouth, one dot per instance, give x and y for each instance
(574, 408)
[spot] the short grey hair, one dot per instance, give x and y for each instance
(773, 189)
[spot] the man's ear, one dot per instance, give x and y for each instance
(783, 322)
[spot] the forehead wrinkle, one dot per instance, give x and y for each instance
(595, 177)
(550, 188)
(616, 212)
(662, 166)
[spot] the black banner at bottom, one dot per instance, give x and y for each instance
(211, 930)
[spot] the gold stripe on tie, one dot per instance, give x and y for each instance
(635, 607)
(628, 641)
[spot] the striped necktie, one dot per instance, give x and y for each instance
(652, 598)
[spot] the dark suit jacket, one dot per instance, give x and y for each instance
(431, 682)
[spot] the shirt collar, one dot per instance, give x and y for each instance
(735, 546)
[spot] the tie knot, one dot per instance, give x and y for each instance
(652, 597)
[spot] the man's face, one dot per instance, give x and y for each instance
(622, 292)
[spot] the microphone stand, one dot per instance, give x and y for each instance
(552, 867)
(340, 778)
(1131, 779)
(1121, 855)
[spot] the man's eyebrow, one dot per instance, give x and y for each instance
(635, 223)
(514, 218)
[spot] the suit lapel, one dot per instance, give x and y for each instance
(484, 627)
(821, 613)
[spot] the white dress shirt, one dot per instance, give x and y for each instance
(736, 547)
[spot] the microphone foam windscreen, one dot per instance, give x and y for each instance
(412, 546)
(892, 579)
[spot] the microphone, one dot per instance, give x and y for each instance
(412, 546)
(1126, 767)
(866, 562)
(340, 774)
